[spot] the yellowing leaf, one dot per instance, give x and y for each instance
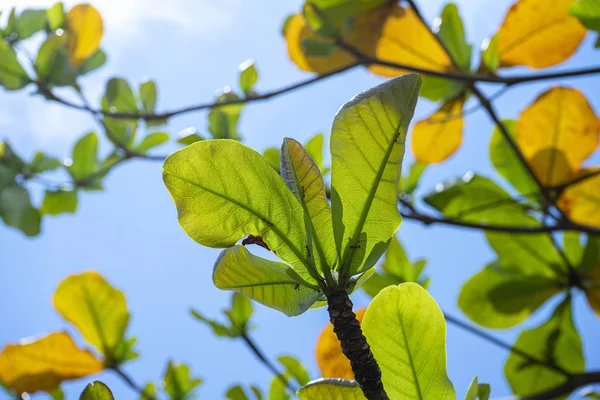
(437, 137)
(389, 32)
(405, 39)
(559, 118)
(332, 362)
(43, 363)
(538, 34)
(85, 30)
(581, 202)
(551, 166)
(97, 309)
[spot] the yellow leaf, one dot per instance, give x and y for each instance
(581, 202)
(559, 118)
(85, 30)
(97, 309)
(538, 34)
(551, 167)
(389, 32)
(332, 362)
(405, 39)
(437, 137)
(43, 363)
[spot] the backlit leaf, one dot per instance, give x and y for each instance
(437, 137)
(500, 297)
(96, 391)
(304, 179)
(332, 362)
(178, 382)
(367, 148)
(12, 74)
(85, 157)
(97, 309)
(148, 96)
(559, 118)
(248, 75)
(56, 16)
(331, 389)
(29, 22)
(271, 283)
(52, 63)
(407, 333)
(152, 140)
(295, 369)
(409, 182)
(556, 342)
(43, 363)
(581, 201)
(236, 393)
(59, 201)
(588, 13)
(17, 211)
(538, 36)
(84, 30)
(42, 163)
(452, 33)
(224, 191)
(506, 162)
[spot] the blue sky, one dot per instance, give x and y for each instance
(130, 233)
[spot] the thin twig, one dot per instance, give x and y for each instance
(131, 383)
(486, 336)
(265, 361)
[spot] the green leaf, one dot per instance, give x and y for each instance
(408, 183)
(490, 58)
(367, 144)
(452, 34)
(278, 390)
(555, 342)
(588, 13)
(84, 157)
(317, 48)
(572, 247)
(338, 10)
(248, 75)
(237, 193)
(10, 159)
(304, 179)
(96, 391)
(257, 392)
(149, 391)
(152, 140)
(178, 383)
(188, 136)
(295, 369)
(12, 74)
(223, 120)
(240, 313)
(314, 148)
(120, 96)
(407, 333)
(271, 283)
(42, 163)
(56, 16)
(218, 328)
(125, 351)
(148, 96)
(52, 64)
(273, 156)
(591, 255)
(439, 89)
(59, 201)
(331, 389)
(500, 297)
(507, 164)
(590, 394)
(17, 211)
(476, 199)
(236, 393)
(57, 394)
(30, 22)
(478, 390)
(93, 62)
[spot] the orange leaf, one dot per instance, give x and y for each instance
(559, 118)
(405, 39)
(85, 30)
(332, 362)
(389, 32)
(581, 202)
(538, 34)
(438, 136)
(43, 363)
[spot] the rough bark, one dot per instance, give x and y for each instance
(355, 346)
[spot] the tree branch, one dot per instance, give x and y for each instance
(574, 382)
(131, 383)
